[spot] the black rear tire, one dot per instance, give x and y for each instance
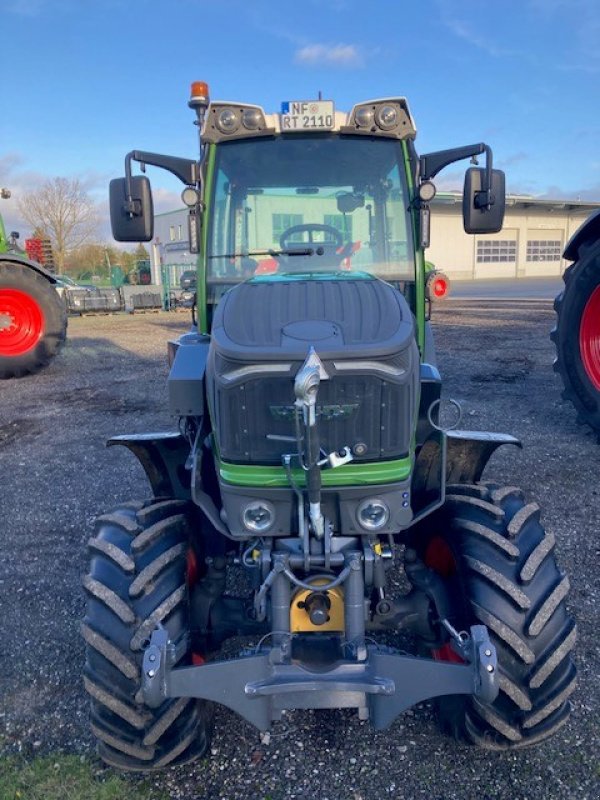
(504, 575)
(22, 354)
(582, 280)
(137, 579)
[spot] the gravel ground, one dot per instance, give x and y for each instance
(57, 475)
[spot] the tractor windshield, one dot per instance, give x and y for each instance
(308, 204)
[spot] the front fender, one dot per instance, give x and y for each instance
(468, 452)
(452, 457)
(588, 232)
(15, 258)
(163, 457)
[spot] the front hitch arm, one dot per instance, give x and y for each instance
(381, 687)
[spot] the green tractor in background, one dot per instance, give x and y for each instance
(33, 317)
(577, 331)
(311, 464)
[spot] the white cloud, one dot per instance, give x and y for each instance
(466, 31)
(579, 20)
(336, 55)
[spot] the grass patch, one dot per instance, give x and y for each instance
(67, 778)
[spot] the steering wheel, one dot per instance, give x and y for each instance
(311, 228)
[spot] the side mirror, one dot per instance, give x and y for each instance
(131, 209)
(483, 211)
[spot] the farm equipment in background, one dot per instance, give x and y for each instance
(39, 249)
(33, 318)
(437, 286)
(311, 458)
(577, 331)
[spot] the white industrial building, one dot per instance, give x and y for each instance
(530, 244)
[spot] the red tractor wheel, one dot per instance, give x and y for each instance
(23, 325)
(589, 338)
(33, 320)
(577, 335)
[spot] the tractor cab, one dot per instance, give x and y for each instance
(309, 204)
(309, 191)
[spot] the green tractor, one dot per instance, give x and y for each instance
(310, 475)
(33, 317)
(577, 331)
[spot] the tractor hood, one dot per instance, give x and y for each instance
(363, 333)
(271, 320)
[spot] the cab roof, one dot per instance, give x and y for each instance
(365, 118)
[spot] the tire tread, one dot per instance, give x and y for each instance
(510, 583)
(132, 736)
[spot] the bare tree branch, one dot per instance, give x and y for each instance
(64, 211)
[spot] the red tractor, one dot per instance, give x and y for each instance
(33, 317)
(577, 331)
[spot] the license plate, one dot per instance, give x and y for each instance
(307, 115)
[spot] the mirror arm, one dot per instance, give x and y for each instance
(183, 168)
(131, 208)
(484, 198)
(432, 163)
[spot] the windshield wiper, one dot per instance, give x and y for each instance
(305, 251)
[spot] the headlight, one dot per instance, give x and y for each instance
(373, 514)
(190, 196)
(228, 120)
(251, 118)
(386, 117)
(427, 191)
(364, 117)
(258, 516)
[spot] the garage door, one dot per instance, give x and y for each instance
(496, 255)
(544, 249)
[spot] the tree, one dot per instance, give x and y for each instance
(90, 259)
(126, 261)
(64, 211)
(140, 253)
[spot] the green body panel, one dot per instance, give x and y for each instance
(202, 256)
(419, 257)
(348, 475)
(3, 239)
(420, 268)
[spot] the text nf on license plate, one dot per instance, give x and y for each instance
(307, 115)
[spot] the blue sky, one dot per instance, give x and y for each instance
(85, 82)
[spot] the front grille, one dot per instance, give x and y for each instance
(351, 409)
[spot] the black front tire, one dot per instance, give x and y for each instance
(504, 575)
(137, 578)
(582, 280)
(32, 354)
